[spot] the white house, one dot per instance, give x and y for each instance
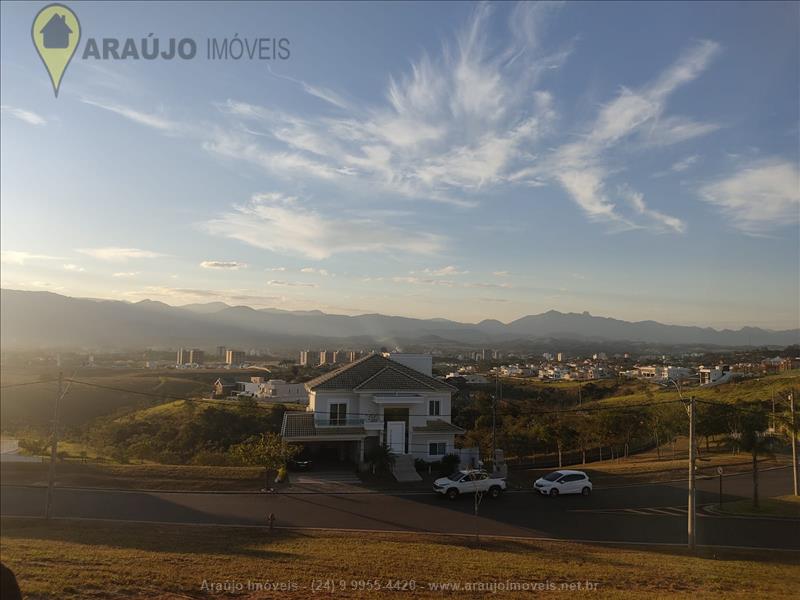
(714, 375)
(277, 390)
(376, 400)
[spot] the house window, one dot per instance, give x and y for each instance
(338, 413)
(434, 407)
(437, 448)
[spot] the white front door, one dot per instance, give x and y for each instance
(396, 436)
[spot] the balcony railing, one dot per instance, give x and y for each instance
(328, 421)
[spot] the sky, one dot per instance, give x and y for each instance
(456, 160)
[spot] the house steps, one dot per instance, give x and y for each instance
(403, 468)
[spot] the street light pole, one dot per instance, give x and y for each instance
(48, 507)
(692, 503)
(793, 433)
(692, 495)
(494, 422)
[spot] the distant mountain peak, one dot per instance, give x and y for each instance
(46, 319)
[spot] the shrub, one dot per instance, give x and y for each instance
(34, 447)
(424, 466)
(449, 464)
(380, 459)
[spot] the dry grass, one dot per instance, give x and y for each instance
(749, 390)
(67, 560)
(152, 477)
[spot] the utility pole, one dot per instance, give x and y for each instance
(793, 433)
(48, 507)
(494, 422)
(691, 512)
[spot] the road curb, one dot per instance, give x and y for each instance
(417, 533)
(713, 510)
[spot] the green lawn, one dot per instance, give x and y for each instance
(781, 506)
(70, 560)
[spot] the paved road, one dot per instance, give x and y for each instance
(650, 513)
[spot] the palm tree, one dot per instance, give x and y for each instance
(750, 434)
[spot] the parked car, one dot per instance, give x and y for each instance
(469, 482)
(564, 482)
(296, 464)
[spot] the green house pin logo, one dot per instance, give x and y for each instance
(56, 33)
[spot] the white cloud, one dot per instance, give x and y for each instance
(280, 283)
(114, 254)
(329, 96)
(482, 284)
(28, 116)
(445, 271)
(223, 264)
(685, 163)
(46, 285)
(454, 128)
(760, 197)
(658, 220)
(73, 267)
(454, 123)
(582, 167)
(501, 273)
(125, 274)
(20, 257)
(178, 295)
(281, 224)
(322, 272)
(155, 121)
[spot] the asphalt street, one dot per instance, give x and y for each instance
(647, 513)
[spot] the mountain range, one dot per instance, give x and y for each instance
(31, 319)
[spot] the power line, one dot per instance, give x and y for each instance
(16, 385)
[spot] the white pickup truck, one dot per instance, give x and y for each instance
(469, 482)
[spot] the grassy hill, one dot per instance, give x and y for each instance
(30, 408)
(750, 390)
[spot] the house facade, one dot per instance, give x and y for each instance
(372, 401)
(263, 390)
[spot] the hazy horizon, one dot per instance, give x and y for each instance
(434, 317)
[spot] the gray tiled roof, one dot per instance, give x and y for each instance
(438, 426)
(298, 424)
(377, 373)
(301, 425)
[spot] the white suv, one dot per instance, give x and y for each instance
(469, 482)
(564, 482)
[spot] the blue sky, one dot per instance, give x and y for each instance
(465, 161)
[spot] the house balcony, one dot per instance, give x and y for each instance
(321, 421)
(373, 423)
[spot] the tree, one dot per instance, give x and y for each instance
(750, 434)
(586, 434)
(380, 459)
(559, 431)
(34, 446)
(712, 419)
(267, 450)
